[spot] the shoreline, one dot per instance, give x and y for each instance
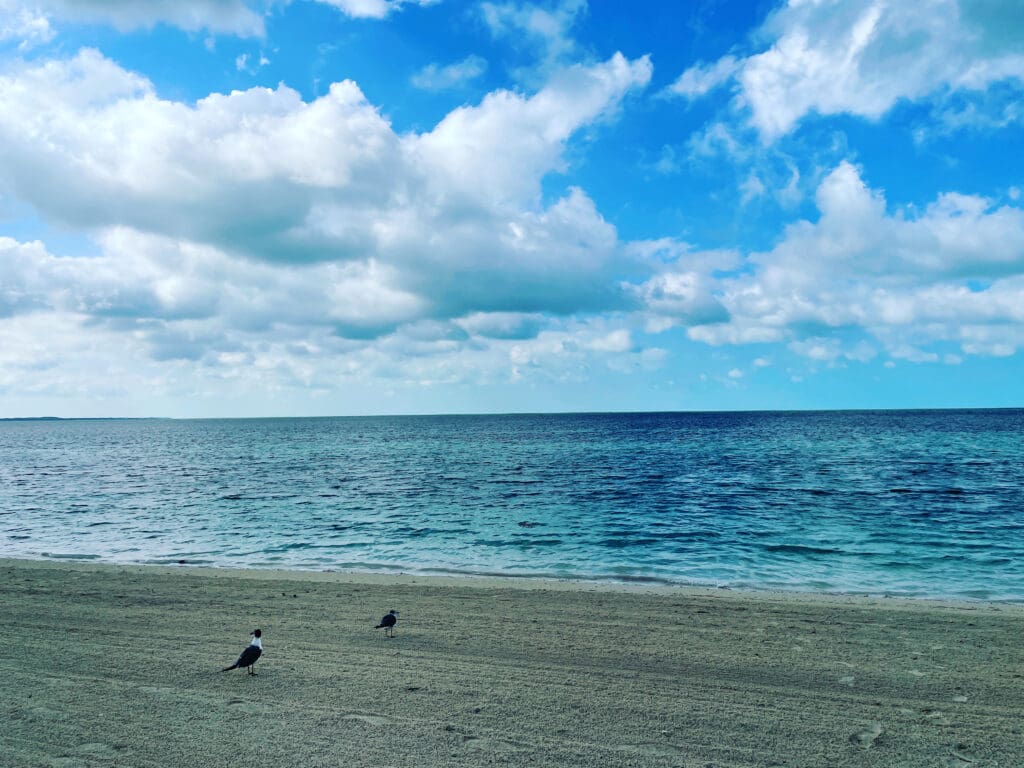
(108, 665)
(642, 585)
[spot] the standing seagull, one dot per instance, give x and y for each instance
(250, 654)
(388, 623)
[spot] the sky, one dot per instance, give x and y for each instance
(338, 207)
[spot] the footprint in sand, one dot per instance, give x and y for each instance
(867, 737)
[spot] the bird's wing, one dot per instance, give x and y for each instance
(249, 656)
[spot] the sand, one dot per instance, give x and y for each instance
(118, 666)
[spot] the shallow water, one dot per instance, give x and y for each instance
(917, 503)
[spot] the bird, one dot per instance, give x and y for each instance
(388, 623)
(249, 656)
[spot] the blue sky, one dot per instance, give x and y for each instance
(318, 207)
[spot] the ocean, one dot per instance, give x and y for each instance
(905, 503)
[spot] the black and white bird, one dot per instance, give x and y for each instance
(388, 623)
(250, 654)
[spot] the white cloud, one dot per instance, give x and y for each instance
(234, 17)
(684, 296)
(667, 163)
(913, 354)
(435, 77)
(751, 189)
(864, 56)
(176, 320)
(717, 138)
(275, 242)
(502, 325)
(517, 139)
(901, 277)
(372, 9)
(701, 78)
(26, 25)
(830, 350)
(616, 341)
(823, 350)
(546, 28)
(30, 21)
(251, 64)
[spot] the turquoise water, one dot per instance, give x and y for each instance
(917, 503)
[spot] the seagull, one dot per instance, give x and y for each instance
(388, 623)
(250, 654)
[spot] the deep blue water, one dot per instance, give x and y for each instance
(921, 503)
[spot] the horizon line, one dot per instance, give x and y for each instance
(519, 413)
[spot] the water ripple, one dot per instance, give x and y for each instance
(915, 503)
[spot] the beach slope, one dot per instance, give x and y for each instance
(119, 666)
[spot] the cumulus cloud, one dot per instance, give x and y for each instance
(258, 238)
(953, 272)
(262, 172)
(169, 319)
(862, 57)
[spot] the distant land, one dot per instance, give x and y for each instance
(83, 418)
(33, 418)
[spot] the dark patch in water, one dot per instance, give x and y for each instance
(518, 543)
(800, 549)
(627, 541)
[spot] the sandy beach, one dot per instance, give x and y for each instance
(119, 666)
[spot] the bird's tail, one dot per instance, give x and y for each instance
(378, 626)
(228, 669)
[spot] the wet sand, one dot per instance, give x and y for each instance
(118, 666)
